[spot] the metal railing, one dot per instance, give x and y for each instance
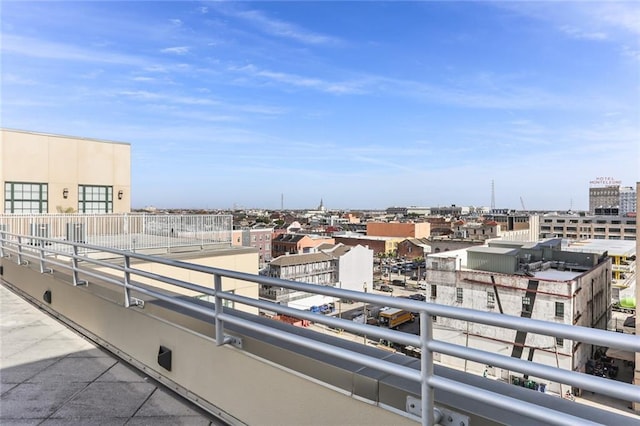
(122, 231)
(46, 253)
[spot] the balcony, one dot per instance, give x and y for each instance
(165, 233)
(246, 369)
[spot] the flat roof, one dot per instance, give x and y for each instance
(63, 136)
(555, 275)
(494, 250)
(366, 237)
(613, 247)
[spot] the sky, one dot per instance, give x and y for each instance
(363, 105)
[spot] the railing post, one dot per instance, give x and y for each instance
(426, 369)
(43, 268)
(74, 262)
(127, 279)
(3, 235)
(19, 249)
(217, 285)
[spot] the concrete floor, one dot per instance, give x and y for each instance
(50, 375)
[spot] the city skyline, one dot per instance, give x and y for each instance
(365, 105)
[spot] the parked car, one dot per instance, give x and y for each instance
(422, 286)
(418, 296)
(386, 288)
(398, 282)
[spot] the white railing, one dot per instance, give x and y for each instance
(45, 252)
(123, 231)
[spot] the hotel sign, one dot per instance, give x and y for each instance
(605, 181)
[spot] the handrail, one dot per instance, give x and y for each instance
(47, 248)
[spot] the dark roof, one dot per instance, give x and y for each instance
(301, 259)
(289, 238)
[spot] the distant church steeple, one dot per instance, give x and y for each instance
(321, 206)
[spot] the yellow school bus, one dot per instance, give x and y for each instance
(393, 317)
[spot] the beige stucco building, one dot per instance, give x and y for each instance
(46, 173)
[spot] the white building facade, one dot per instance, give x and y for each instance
(565, 288)
(349, 268)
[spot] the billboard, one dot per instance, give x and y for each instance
(601, 182)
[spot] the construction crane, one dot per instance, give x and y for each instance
(522, 203)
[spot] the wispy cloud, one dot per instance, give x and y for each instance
(144, 79)
(630, 52)
(32, 47)
(299, 81)
(16, 79)
(581, 34)
(279, 28)
(194, 101)
(177, 50)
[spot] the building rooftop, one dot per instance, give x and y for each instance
(300, 259)
(52, 374)
(365, 237)
(556, 275)
(53, 135)
(493, 250)
(613, 247)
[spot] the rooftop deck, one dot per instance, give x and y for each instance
(52, 375)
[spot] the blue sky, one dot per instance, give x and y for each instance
(362, 104)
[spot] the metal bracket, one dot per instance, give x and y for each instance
(135, 302)
(47, 271)
(233, 341)
(443, 416)
(82, 282)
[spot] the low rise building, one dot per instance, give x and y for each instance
(349, 268)
(260, 239)
(476, 230)
(414, 248)
(579, 227)
(399, 229)
(296, 243)
(537, 280)
(623, 263)
(509, 220)
(450, 211)
(381, 246)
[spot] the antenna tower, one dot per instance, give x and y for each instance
(281, 201)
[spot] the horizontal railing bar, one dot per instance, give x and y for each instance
(571, 332)
(173, 281)
(365, 329)
(543, 414)
(359, 358)
(621, 390)
(209, 312)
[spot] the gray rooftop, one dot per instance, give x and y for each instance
(493, 250)
(301, 259)
(613, 247)
(52, 375)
